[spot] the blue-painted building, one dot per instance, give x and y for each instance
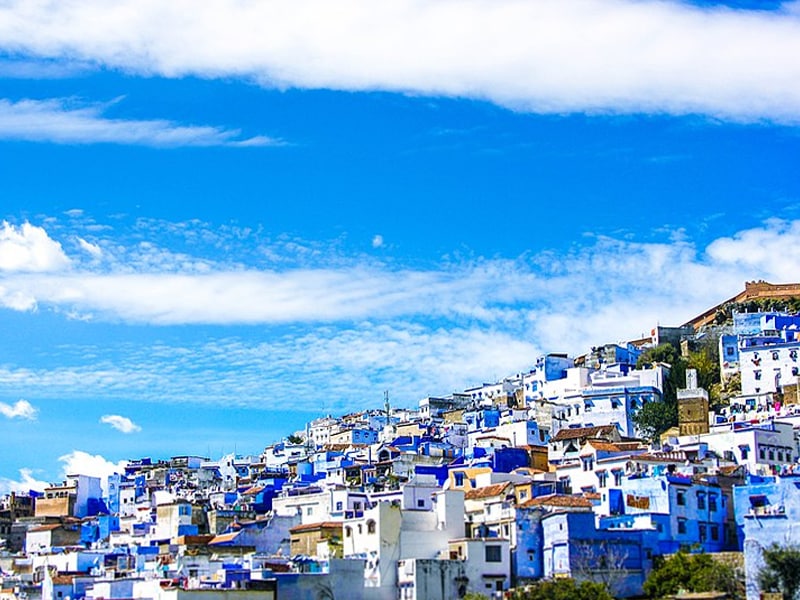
(574, 547)
(767, 512)
(684, 512)
(482, 418)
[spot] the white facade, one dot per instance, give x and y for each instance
(762, 447)
(487, 563)
(766, 369)
(388, 533)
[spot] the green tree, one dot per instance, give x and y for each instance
(654, 418)
(676, 378)
(692, 573)
(781, 571)
(562, 589)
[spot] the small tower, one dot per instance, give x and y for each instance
(692, 407)
(388, 429)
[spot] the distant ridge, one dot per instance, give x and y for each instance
(752, 290)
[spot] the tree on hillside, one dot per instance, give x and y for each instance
(781, 571)
(724, 314)
(692, 573)
(654, 418)
(562, 589)
(666, 353)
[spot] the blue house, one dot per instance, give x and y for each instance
(685, 513)
(767, 512)
(574, 547)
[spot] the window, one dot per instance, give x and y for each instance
(681, 526)
(757, 374)
(310, 510)
(420, 503)
(356, 505)
(775, 355)
(715, 533)
(348, 531)
(701, 500)
(588, 463)
(702, 530)
(370, 526)
(602, 478)
(712, 502)
(617, 477)
(772, 454)
(761, 453)
(680, 498)
(339, 505)
(493, 554)
(745, 451)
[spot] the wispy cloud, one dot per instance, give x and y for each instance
(157, 286)
(551, 56)
(120, 423)
(67, 122)
(21, 409)
(364, 325)
(92, 249)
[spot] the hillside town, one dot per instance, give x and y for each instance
(589, 467)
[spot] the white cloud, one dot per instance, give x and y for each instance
(29, 248)
(377, 241)
(21, 409)
(548, 56)
(360, 325)
(164, 288)
(26, 483)
(92, 249)
(120, 423)
(59, 121)
(76, 462)
(79, 462)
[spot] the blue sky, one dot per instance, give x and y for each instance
(219, 222)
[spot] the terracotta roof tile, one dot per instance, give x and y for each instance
(559, 500)
(615, 446)
(583, 432)
(315, 526)
(488, 491)
(223, 538)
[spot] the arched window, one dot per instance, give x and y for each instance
(348, 531)
(370, 526)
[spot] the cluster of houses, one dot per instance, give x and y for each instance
(543, 474)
